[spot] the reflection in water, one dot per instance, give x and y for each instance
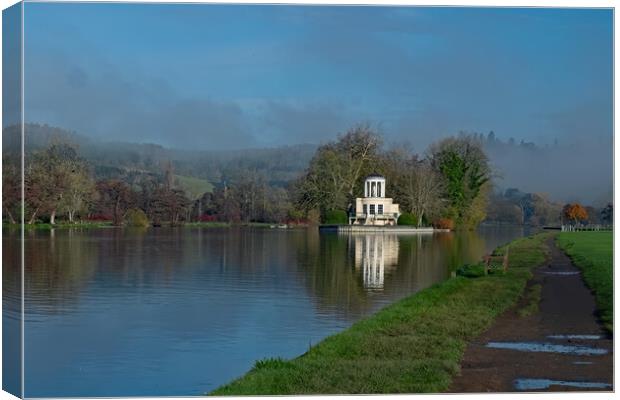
(11, 314)
(374, 253)
(181, 311)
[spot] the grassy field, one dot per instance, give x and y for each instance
(412, 346)
(193, 187)
(592, 252)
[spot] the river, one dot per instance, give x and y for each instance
(181, 311)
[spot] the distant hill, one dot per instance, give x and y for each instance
(195, 170)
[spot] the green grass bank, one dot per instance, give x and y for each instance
(592, 252)
(412, 346)
(61, 225)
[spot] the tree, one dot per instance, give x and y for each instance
(169, 205)
(358, 148)
(79, 192)
(333, 178)
(60, 160)
(52, 175)
(11, 186)
(322, 186)
(278, 206)
(575, 212)
(37, 197)
(501, 209)
(607, 214)
(115, 198)
(541, 210)
(422, 189)
(249, 192)
(465, 172)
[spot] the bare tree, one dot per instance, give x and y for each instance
(422, 189)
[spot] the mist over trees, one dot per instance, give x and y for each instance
(575, 169)
(74, 178)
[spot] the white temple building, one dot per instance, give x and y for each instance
(374, 208)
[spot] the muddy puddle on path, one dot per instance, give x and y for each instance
(547, 348)
(543, 384)
(561, 273)
(581, 337)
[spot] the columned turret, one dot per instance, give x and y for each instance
(374, 186)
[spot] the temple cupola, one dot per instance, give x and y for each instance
(374, 186)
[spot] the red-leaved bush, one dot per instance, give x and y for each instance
(444, 223)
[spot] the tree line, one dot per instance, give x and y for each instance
(60, 184)
(513, 206)
(449, 185)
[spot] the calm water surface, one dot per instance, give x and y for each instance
(117, 312)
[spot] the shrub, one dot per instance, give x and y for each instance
(407, 219)
(444, 223)
(471, 270)
(337, 217)
(136, 218)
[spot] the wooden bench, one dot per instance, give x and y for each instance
(490, 259)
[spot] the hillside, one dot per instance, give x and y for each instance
(196, 170)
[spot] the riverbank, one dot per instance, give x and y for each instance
(412, 346)
(592, 253)
(378, 229)
(108, 224)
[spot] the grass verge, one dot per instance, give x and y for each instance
(61, 225)
(592, 252)
(104, 224)
(412, 346)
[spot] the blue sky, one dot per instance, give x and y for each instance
(226, 76)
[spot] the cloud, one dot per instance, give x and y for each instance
(108, 104)
(290, 123)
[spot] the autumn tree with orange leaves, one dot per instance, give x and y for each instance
(575, 212)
